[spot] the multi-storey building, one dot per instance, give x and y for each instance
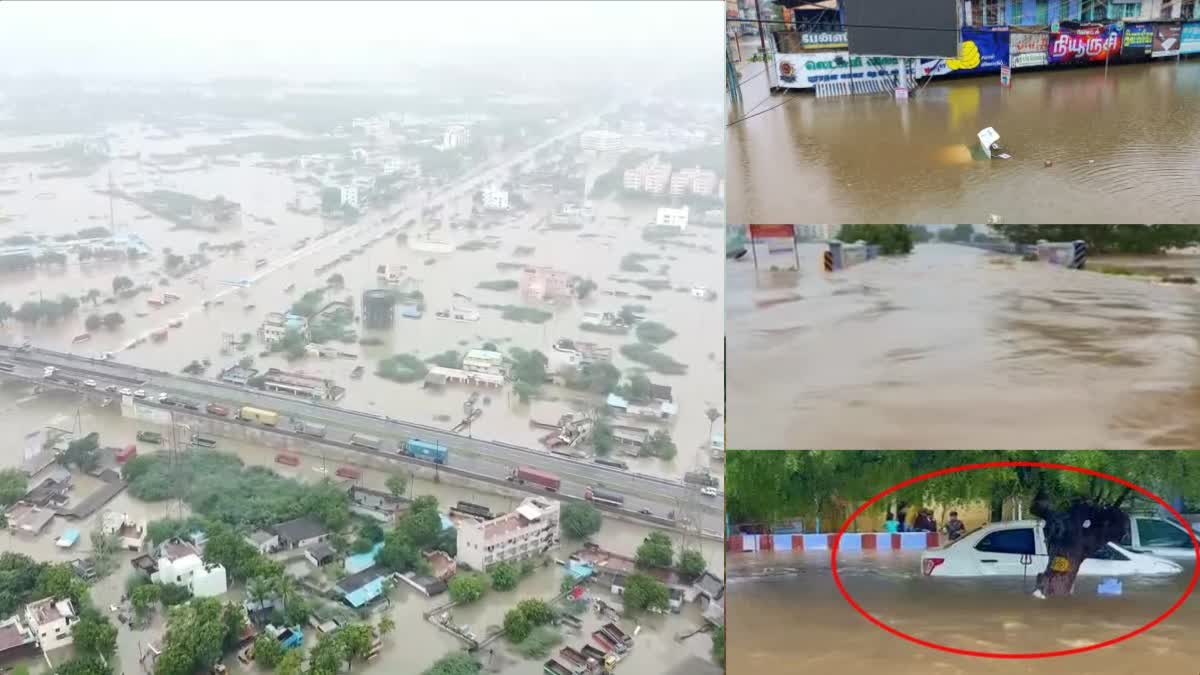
(455, 136)
(601, 140)
(545, 283)
(529, 531)
(483, 361)
(51, 622)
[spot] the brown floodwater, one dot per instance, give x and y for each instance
(66, 204)
(954, 347)
(1125, 147)
(786, 616)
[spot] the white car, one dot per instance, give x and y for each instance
(89, 383)
(140, 393)
(1017, 547)
(709, 491)
(163, 396)
(126, 391)
(1160, 537)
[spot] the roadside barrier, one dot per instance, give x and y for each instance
(851, 541)
(1069, 254)
(842, 255)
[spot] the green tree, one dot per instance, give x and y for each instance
(659, 444)
(94, 634)
(602, 437)
(691, 564)
(13, 486)
(386, 625)
(713, 415)
(93, 296)
(584, 288)
(143, 599)
(466, 588)
(537, 611)
(643, 593)
(655, 551)
(82, 452)
(920, 233)
(396, 484)
(113, 320)
(399, 554)
(458, 663)
(93, 322)
(1108, 238)
(197, 634)
(891, 239)
(173, 594)
(654, 332)
(291, 663)
(335, 280)
(83, 665)
(769, 489)
(580, 520)
(516, 625)
(327, 657)
(447, 359)
(718, 645)
(120, 283)
(267, 651)
(6, 313)
(504, 577)
(356, 640)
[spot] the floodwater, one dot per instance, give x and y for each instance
(415, 641)
(1125, 148)
(790, 618)
(57, 205)
(954, 347)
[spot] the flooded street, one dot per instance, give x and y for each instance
(950, 345)
(790, 618)
(293, 245)
(873, 159)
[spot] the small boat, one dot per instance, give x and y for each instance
(83, 337)
(357, 373)
(159, 335)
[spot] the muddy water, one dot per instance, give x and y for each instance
(875, 159)
(421, 643)
(58, 205)
(790, 618)
(954, 347)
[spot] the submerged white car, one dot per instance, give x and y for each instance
(1017, 547)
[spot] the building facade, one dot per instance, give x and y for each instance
(483, 361)
(694, 181)
(275, 326)
(455, 136)
(495, 199)
(545, 283)
(51, 622)
(529, 531)
(651, 176)
(601, 140)
(675, 217)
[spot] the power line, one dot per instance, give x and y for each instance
(786, 100)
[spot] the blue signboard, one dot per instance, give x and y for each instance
(981, 51)
(1189, 42)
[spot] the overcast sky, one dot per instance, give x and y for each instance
(355, 39)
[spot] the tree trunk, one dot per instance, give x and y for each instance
(1072, 535)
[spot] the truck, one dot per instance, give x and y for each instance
(607, 643)
(348, 472)
(603, 497)
(701, 478)
(613, 463)
(430, 452)
(528, 474)
(310, 429)
(287, 459)
(614, 631)
(365, 441)
(267, 418)
(552, 667)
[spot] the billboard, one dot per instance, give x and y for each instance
(1189, 38)
(1026, 50)
(918, 28)
(1137, 41)
(805, 71)
(1085, 44)
(1166, 40)
(823, 39)
(981, 51)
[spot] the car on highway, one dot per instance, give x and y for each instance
(709, 491)
(126, 391)
(89, 383)
(1019, 547)
(646, 512)
(140, 393)
(164, 397)
(110, 388)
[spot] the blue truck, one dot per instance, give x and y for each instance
(430, 452)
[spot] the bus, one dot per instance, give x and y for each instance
(614, 463)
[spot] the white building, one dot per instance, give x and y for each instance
(455, 136)
(275, 326)
(264, 542)
(495, 199)
(349, 196)
(203, 580)
(601, 140)
(51, 622)
(695, 180)
(484, 361)
(676, 217)
(392, 166)
(651, 176)
(816, 232)
(529, 531)
(359, 154)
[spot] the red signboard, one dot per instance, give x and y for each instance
(772, 232)
(1086, 44)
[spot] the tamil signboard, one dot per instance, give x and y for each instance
(804, 71)
(823, 39)
(1137, 41)
(1028, 50)
(1085, 44)
(1166, 40)
(1189, 38)
(776, 239)
(981, 51)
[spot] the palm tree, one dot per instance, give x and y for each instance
(386, 625)
(713, 415)
(93, 295)
(259, 589)
(285, 587)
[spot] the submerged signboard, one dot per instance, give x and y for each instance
(1026, 50)
(981, 51)
(1085, 44)
(1166, 40)
(1137, 41)
(1189, 38)
(805, 71)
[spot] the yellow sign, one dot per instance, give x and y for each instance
(1060, 564)
(969, 59)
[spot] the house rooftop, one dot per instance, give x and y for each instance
(47, 610)
(14, 634)
(321, 551)
(260, 537)
(175, 549)
(661, 392)
(361, 579)
(299, 529)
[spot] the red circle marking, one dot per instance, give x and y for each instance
(837, 541)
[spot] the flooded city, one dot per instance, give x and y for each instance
(951, 344)
(307, 368)
(874, 159)
(791, 618)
